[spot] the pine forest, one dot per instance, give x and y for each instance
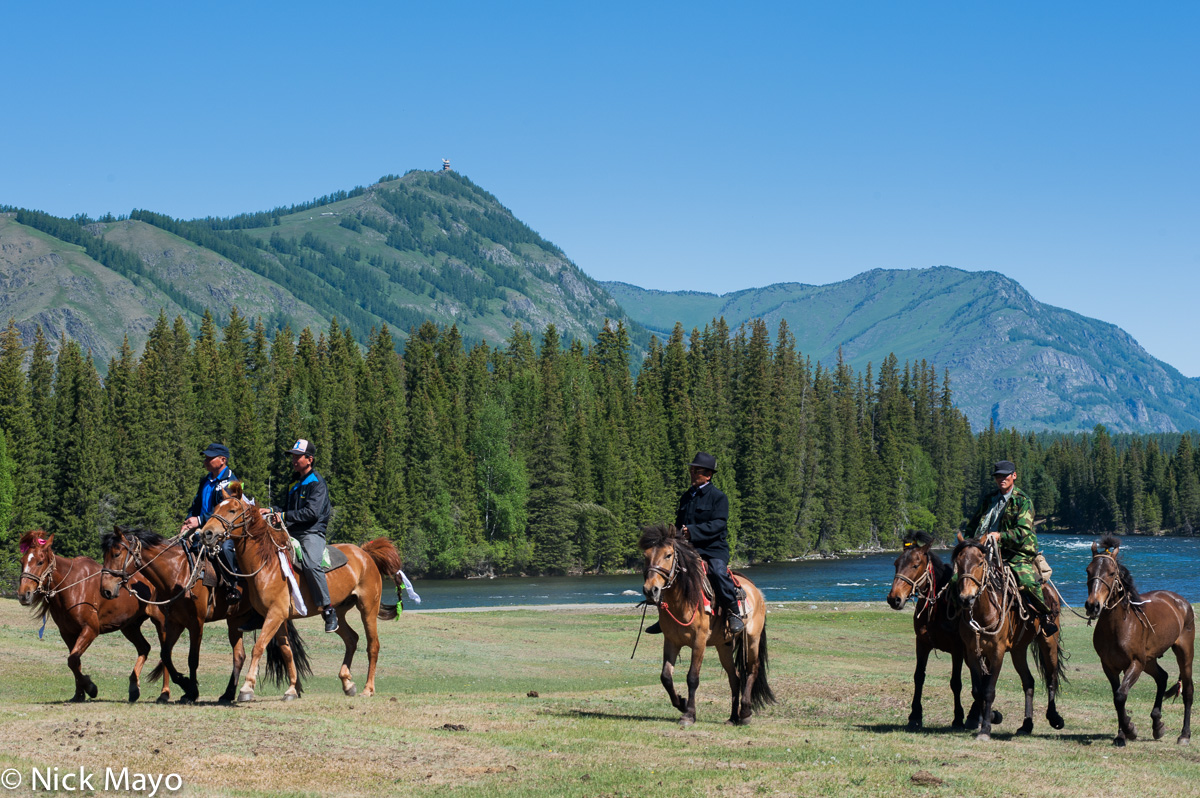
(540, 455)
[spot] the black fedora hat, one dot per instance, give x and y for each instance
(704, 460)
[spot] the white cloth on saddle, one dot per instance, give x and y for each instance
(408, 587)
(290, 575)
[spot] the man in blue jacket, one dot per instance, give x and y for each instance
(701, 518)
(306, 512)
(210, 493)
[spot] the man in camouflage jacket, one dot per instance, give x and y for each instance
(1006, 516)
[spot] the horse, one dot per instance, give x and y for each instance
(189, 604)
(358, 583)
(1132, 631)
(990, 624)
(922, 576)
(674, 581)
(67, 589)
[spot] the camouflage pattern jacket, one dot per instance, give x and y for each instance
(1018, 541)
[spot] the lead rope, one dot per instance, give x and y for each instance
(645, 609)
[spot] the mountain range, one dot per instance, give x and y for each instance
(434, 246)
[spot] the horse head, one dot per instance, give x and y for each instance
(1103, 576)
(230, 519)
(122, 559)
(37, 565)
(913, 569)
(971, 568)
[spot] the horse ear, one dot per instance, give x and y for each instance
(234, 489)
(959, 536)
(1095, 549)
(48, 541)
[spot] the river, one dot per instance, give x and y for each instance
(1165, 563)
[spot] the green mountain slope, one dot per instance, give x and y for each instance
(1012, 359)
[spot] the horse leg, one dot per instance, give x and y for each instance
(1049, 652)
(285, 650)
(84, 686)
(1120, 688)
(195, 638)
(693, 681)
(988, 695)
(670, 654)
(350, 640)
(1160, 688)
(275, 617)
(916, 716)
(1020, 660)
(955, 688)
(239, 658)
(725, 653)
(134, 635)
(1183, 654)
(369, 610)
(751, 659)
(171, 635)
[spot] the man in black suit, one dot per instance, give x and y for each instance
(701, 518)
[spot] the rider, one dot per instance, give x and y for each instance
(1005, 516)
(701, 516)
(306, 512)
(208, 496)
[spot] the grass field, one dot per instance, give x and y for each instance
(455, 716)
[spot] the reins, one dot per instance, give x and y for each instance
(671, 576)
(135, 553)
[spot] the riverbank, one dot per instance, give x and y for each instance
(532, 703)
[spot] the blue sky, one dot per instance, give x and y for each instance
(671, 145)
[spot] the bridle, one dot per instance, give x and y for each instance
(133, 553)
(1116, 587)
(669, 575)
(926, 578)
(41, 580)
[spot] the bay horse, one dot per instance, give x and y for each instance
(1132, 631)
(358, 583)
(189, 604)
(923, 577)
(674, 581)
(991, 624)
(68, 590)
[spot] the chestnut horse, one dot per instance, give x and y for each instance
(358, 583)
(923, 577)
(68, 590)
(165, 564)
(1132, 631)
(991, 624)
(674, 582)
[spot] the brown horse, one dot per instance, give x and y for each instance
(1132, 631)
(68, 590)
(358, 583)
(674, 582)
(165, 564)
(923, 577)
(991, 624)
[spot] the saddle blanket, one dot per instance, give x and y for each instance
(331, 560)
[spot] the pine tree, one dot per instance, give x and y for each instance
(551, 516)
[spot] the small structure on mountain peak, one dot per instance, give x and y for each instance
(445, 165)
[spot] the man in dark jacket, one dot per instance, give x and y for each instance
(701, 518)
(210, 493)
(306, 512)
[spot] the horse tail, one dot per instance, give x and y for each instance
(277, 665)
(388, 561)
(1054, 675)
(1174, 691)
(761, 693)
(157, 673)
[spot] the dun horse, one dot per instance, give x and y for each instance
(358, 583)
(991, 624)
(674, 581)
(1132, 631)
(68, 590)
(165, 564)
(922, 576)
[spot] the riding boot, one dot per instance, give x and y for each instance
(329, 615)
(654, 629)
(733, 622)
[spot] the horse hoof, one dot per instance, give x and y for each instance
(1131, 733)
(983, 738)
(225, 700)
(915, 725)
(685, 722)
(76, 699)
(163, 698)
(134, 693)
(1119, 742)
(289, 696)
(188, 699)
(1159, 729)
(1184, 741)
(997, 717)
(1025, 730)
(245, 695)
(351, 691)
(956, 725)
(92, 690)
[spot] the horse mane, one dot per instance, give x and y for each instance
(965, 544)
(942, 571)
(148, 537)
(689, 559)
(1113, 544)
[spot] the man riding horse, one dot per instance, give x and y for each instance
(209, 495)
(1005, 517)
(701, 518)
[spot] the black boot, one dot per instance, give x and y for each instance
(734, 624)
(654, 629)
(331, 619)
(233, 592)
(1049, 627)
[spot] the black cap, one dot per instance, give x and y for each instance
(304, 447)
(704, 460)
(1003, 468)
(216, 450)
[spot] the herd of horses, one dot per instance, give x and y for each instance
(968, 608)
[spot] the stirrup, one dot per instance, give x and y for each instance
(734, 624)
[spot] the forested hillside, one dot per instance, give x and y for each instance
(1016, 362)
(531, 456)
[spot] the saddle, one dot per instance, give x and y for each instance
(708, 601)
(331, 560)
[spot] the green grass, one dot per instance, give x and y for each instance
(600, 724)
